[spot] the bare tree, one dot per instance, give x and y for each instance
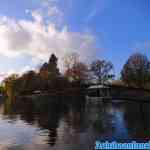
(78, 72)
(102, 70)
(75, 69)
(70, 60)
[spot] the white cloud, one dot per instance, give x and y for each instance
(39, 39)
(37, 16)
(4, 75)
(54, 11)
(25, 69)
(51, 12)
(20, 71)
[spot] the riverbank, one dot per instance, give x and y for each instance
(119, 92)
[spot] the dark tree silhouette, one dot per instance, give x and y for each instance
(102, 70)
(44, 71)
(48, 79)
(30, 81)
(52, 66)
(49, 73)
(49, 70)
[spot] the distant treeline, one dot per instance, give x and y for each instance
(135, 73)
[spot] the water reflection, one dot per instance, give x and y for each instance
(137, 120)
(70, 123)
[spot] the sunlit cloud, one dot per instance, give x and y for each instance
(38, 38)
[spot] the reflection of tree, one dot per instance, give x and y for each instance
(7, 106)
(80, 118)
(101, 118)
(137, 119)
(75, 117)
(48, 111)
(50, 121)
(27, 113)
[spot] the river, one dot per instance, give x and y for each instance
(71, 123)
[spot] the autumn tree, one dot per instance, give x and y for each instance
(30, 81)
(136, 71)
(75, 70)
(10, 85)
(44, 71)
(70, 59)
(102, 70)
(78, 72)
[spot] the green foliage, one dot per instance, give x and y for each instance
(136, 71)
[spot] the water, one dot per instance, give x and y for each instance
(70, 123)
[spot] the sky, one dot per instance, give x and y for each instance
(30, 30)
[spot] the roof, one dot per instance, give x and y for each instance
(98, 87)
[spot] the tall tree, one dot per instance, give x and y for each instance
(75, 69)
(44, 71)
(10, 86)
(49, 72)
(49, 69)
(52, 66)
(30, 81)
(78, 72)
(102, 70)
(70, 60)
(136, 71)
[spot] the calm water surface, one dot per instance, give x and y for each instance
(70, 123)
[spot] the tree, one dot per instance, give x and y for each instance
(136, 71)
(44, 71)
(10, 87)
(70, 60)
(30, 81)
(52, 66)
(75, 70)
(102, 70)
(78, 72)
(50, 70)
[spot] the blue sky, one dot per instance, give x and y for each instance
(110, 29)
